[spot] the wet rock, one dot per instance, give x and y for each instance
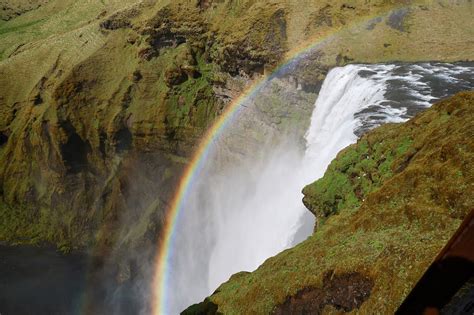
(124, 272)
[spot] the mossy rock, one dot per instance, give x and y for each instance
(384, 228)
(133, 84)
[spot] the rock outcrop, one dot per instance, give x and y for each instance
(12, 9)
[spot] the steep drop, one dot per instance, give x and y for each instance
(239, 215)
(396, 198)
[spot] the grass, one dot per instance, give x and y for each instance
(20, 29)
(407, 213)
(59, 31)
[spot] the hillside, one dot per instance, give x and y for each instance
(386, 207)
(103, 101)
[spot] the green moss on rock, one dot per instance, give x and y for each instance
(357, 172)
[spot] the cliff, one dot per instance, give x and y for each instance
(102, 102)
(386, 207)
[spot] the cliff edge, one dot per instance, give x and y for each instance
(386, 206)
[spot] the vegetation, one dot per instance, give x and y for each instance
(354, 175)
(387, 225)
(103, 101)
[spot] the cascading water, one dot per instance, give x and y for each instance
(239, 215)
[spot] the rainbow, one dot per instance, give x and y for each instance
(164, 253)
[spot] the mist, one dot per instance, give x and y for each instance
(246, 204)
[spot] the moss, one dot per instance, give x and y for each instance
(192, 102)
(407, 213)
(358, 170)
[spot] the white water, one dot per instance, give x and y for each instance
(343, 94)
(251, 210)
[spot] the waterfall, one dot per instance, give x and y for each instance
(250, 210)
(332, 127)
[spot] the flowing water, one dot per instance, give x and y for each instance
(246, 209)
(239, 215)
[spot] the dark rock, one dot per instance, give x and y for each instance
(137, 76)
(12, 9)
(203, 308)
(133, 39)
(38, 100)
(123, 140)
(347, 6)
(342, 60)
(74, 151)
(120, 19)
(165, 31)
(175, 76)
(191, 71)
(250, 57)
(115, 23)
(103, 144)
(3, 138)
(147, 53)
(345, 292)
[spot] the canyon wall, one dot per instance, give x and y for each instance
(102, 102)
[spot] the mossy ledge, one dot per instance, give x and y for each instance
(387, 205)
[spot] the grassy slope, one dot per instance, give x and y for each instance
(52, 19)
(402, 191)
(387, 31)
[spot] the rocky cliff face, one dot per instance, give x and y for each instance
(102, 102)
(386, 206)
(135, 102)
